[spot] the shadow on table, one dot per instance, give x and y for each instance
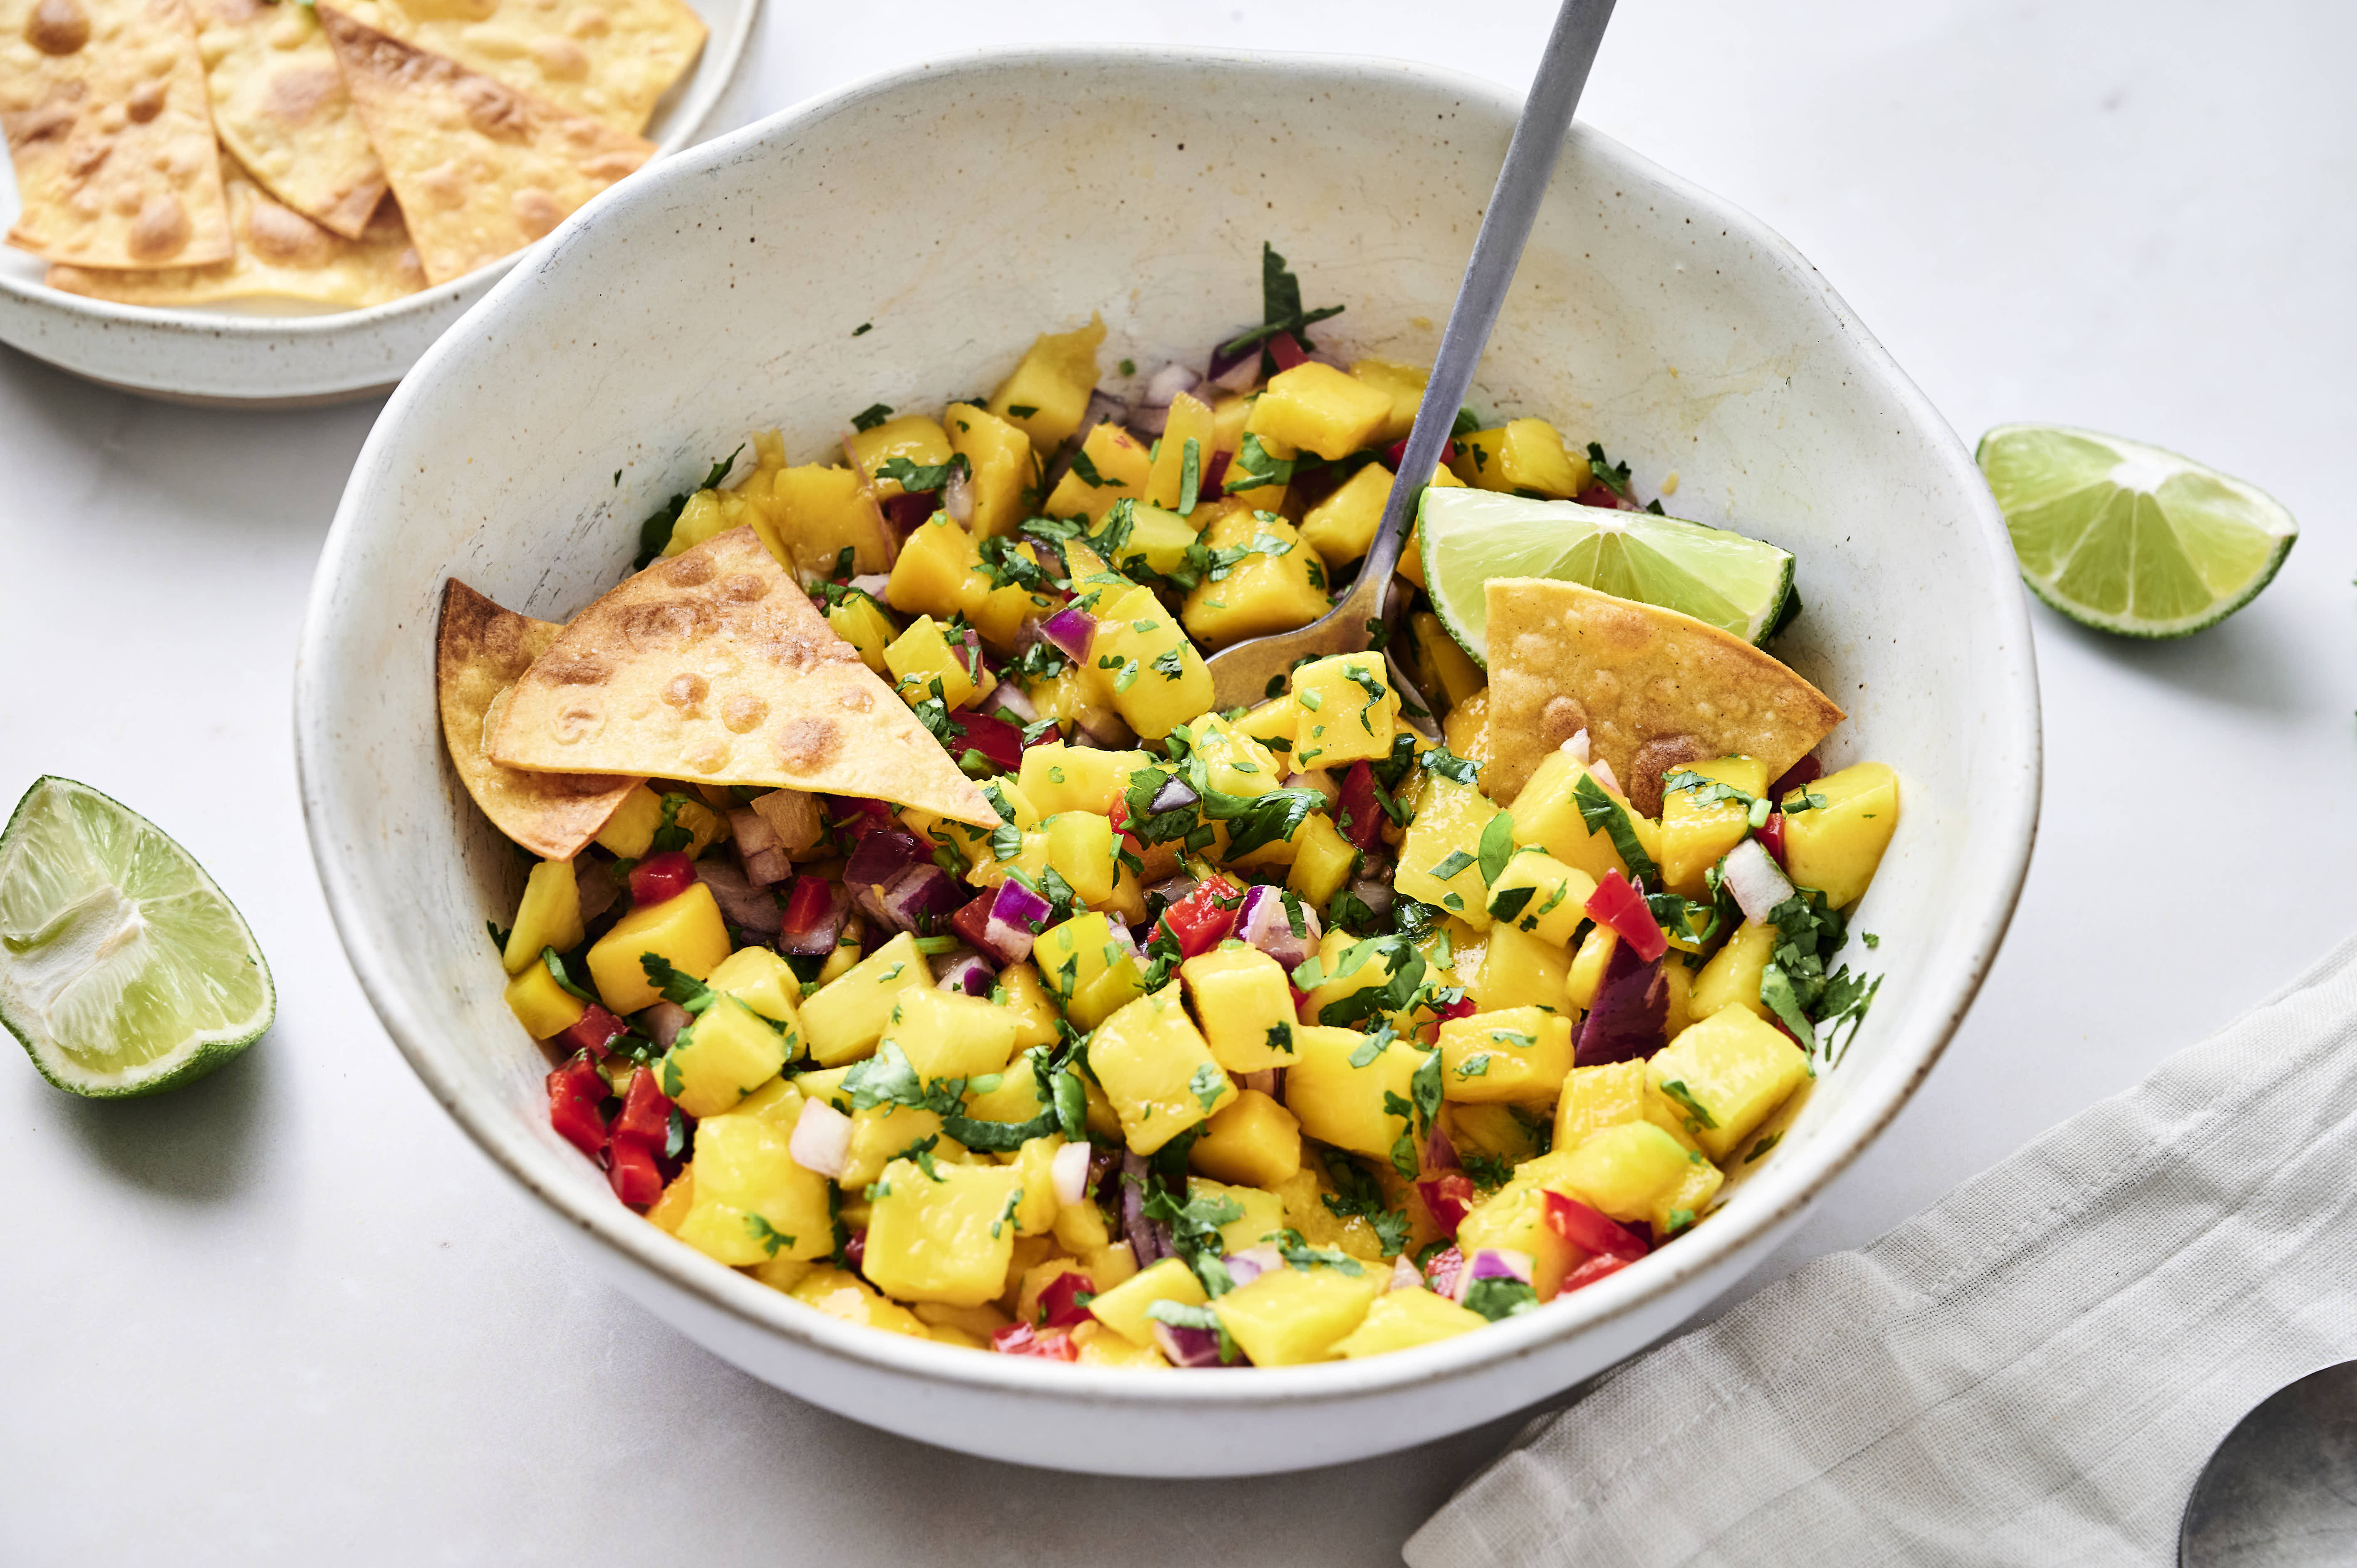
(196, 1142)
(2250, 661)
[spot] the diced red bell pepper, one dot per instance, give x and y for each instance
(1286, 350)
(1119, 816)
(1053, 734)
(1202, 920)
(1000, 743)
(1588, 1272)
(1772, 835)
(645, 1120)
(594, 1031)
(1463, 1007)
(1617, 904)
(1022, 1339)
(1396, 453)
(1441, 1273)
(1060, 1305)
(807, 906)
(1215, 472)
(1450, 1197)
(662, 876)
(1360, 819)
(972, 920)
(1608, 497)
(576, 1096)
(1584, 1226)
(636, 1177)
(1808, 770)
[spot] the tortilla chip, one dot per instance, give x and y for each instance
(279, 105)
(713, 665)
(480, 652)
(480, 169)
(610, 60)
(103, 103)
(1654, 689)
(280, 254)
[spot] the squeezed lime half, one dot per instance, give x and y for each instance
(123, 968)
(1467, 536)
(2129, 538)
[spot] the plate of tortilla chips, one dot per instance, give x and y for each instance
(267, 203)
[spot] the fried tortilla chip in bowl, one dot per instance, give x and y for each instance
(901, 243)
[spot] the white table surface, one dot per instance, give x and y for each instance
(291, 1315)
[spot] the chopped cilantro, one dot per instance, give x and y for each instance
(874, 414)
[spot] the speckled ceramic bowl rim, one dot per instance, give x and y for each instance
(1773, 1197)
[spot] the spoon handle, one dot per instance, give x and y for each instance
(1496, 249)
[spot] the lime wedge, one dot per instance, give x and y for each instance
(2127, 538)
(1740, 585)
(122, 968)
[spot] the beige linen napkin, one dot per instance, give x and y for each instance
(2033, 1371)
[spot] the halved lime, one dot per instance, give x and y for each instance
(122, 968)
(1469, 536)
(2127, 538)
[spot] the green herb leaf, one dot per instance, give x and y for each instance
(1497, 845)
(874, 414)
(1698, 1117)
(1602, 813)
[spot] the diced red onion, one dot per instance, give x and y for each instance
(957, 496)
(882, 857)
(822, 1140)
(1263, 922)
(1249, 1264)
(595, 879)
(1226, 362)
(964, 972)
(753, 909)
(1268, 1080)
(1008, 698)
(1172, 889)
(1150, 424)
(1071, 631)
(818, 939)
(1604, 775)
(1149, 1239)
(767, 868)
(922, 897)
(1577, 746)
(1190, 1347)
(1405, 1275)
(1440, 1153)
(1215, 473)
(1122, 937)
(854, 1251)
(907, 511)
(1164, 386)
(1375, 893)
(1103, 409)
(872, 584)
(1174, 794)
(1631, 1010)
(751, 830)
(1752, 874)
(1239, 377)
(1016, 915)
(1067, 1173)
(1443, 1273)
(662, 1022)
(1285, 349)
(1492, 1263)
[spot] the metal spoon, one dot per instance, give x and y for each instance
(1241, 675)
(2281, 1491)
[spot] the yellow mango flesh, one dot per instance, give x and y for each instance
(724, 1055)
(1546, 813)
(1519, 1056)
(1061, 778)
(1445, 834)
(1119, 463)
(1524, 457)
(1836, 847)
(1049, 390)
(1348, 710)
(1342, 1104)
(946, 1034)
(859, 621)
(1313, 407)
(922, 656)
(1252, 1142)
(1403, 1319)
(848, 1297)
(1518, 969)
(685, 931)
(1123, 1308)
(846, 1016)
(1341, 526)
(1626, 1170)
(750, 1201)
(1731, 976)
(1157, 1070)
(1245, 1005)
(818, 510)
(1279, 585)
(947, 1239)
(1402, 385)
(541, 1005)
(913, 437)
(1189, 419)
(1323, 860)
(1263, 1219)
(1694, 837)
(1290, 1318)
(1134, 631)
(1001, 456)
(1730, 1073)
(548, 916)
(1539, 895)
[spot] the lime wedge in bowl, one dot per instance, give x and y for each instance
(1467, 536)
(2129, 538)
(123, 968)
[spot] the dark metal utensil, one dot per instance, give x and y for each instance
(2281, 1491)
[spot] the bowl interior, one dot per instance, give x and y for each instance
(901, 243)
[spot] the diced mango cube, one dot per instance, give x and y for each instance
(1049, 390)
(815, 513)
(1157, 1070)
(922, 656)
(1110, 466)
(1518, 969)
(1693, 835)
(1343, 1087)
(1061, 778)
(947, 1034)
(685, 931)
(1341, 527)
(1453, 670)
(936, 572)
(1003, 465)
(1101, 1347)
(861, 622)
(1517, 1056)
(1189, 419)
(1245, 1005)
(948, 1237)
(1323, 860)
(1263, 1219)
(750, 1201)
(1291, 1317)
(1350, 709)
(767, 984)
(913, 437)
(1403, 1319)
(1264, 579)
(1625, 1169)
(548, 916)
(1835, 848)
(1595, 1098)
(848, 1297)
(1513, 1218)
(1731, 977)
(1546, 813)
(1080, 847)
(1085, 970)
(1313, 407)
(1441, 855)
(724, 1055)
(546, 1008)
(1539, 894)
(1524, 457)
(1155, 676)
(1253, 1142)
(1730, 1073)
(1403, 385)
(847, 1016)
(1123, 1308)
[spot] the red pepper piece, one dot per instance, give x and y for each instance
(1360, 819)
(855, 1250)
(1060, 1305)
(576, 1096)
(1396, 453)
(1584, 1226)
(645, 1120)
(1619, 905)
(1608, 497)
(810, 903)
(999, 742)
(637, 1179)
(662, 876)
(594, 1031)
(1463, 1007)
(1450, 1197)
(1808, 770)
(1286, 350)
(1772, 835)
(1022, 1339)
(1588, 1272)
(972, 920)
(1215, 470)
(1202, 920)
(1441, 1273)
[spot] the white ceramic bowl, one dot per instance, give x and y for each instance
(254, 355)
(962, 208)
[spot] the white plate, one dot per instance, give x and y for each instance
(252, 356)
(954, 210)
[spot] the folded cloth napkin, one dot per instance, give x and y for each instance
(2033, 1371)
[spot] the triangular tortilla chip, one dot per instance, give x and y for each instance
(480, 652)
(610, 60)
(280, 254)
(714, 666)
(279, 106)
(481, 171)
(104, 102)
(1654, 689)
